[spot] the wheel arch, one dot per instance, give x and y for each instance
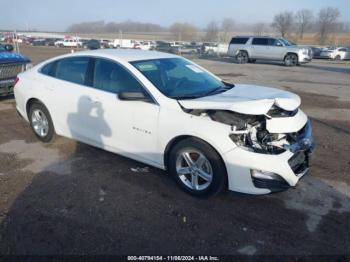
(291, 53)
(179, 138)
(242, 50)
(31, 101)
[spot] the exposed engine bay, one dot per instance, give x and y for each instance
(249, 131)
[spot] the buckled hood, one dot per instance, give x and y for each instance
(246, 99)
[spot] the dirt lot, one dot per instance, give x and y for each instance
(70, 198)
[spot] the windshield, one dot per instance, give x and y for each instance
(286, 42)
(180, 79)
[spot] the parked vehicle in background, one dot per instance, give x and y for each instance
(217, 49)
(168, 48)
(189, 49)
(105, 43)
(316, 51)
(11, 64)
(39, 42)
(146, 45)
(124, 43)
(69, 42)
(251, 48)
(208, 134)
(340, 53)
(50, 41)
(92, 44)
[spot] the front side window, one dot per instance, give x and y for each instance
(274, 42)
(72, 69)
(286, 42)
(111, 77)
(178, 78)
(260, 41)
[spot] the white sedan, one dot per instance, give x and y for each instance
(165, 111)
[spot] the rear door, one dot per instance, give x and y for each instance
(72, 98)
(259, 48)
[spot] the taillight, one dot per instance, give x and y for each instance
(16, 81)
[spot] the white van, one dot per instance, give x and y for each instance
(124, 43)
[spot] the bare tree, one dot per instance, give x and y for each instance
(183, 31)
(304, 20)
(283, 23)
(259, 29)
(327, 22)
(212, 32)
(227, 26)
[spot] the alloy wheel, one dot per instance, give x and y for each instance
(194, 169)
(40, 123)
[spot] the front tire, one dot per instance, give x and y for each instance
(242, 57)
(291, 60)
(197, 168)
(41, 122)
(337, 58)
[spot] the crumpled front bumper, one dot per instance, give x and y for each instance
(285, 169)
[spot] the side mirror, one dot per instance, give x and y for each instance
(133, 96)
(9, 48)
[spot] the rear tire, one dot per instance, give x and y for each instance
(242, 57)
(337, 58)
(41, 122)
(291, 60)
(197, 168)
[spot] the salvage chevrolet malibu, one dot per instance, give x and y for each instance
(168, 112)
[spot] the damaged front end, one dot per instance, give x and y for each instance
(279, 135)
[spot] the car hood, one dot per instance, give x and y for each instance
(246, 99)
(8, 57)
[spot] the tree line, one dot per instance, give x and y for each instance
(324, 23)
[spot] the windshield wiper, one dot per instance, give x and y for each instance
(185, 97)
(220, 89)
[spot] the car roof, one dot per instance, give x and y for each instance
(258, 36)
(127, 55)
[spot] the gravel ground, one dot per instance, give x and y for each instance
(70, 198)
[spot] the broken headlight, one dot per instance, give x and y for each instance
(258, 139)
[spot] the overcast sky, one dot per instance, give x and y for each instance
(58, 15)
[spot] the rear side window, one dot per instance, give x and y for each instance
(73, 69)
(239, 40)
(111, 77)
(49, 69)
(260, 41)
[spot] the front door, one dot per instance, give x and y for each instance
(132, 124)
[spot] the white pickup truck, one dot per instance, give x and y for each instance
(69, 42)
(215, 49)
